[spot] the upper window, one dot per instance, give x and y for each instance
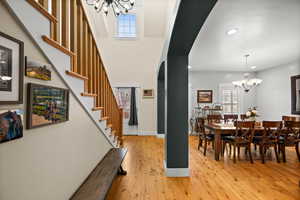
(126, 26)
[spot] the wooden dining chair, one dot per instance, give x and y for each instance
(242, 138)
(200, 130)
(204, 136)
(214, 118)
(228, 117)
(289, 138)
(243, 117)
(269, 138)
(290, 118)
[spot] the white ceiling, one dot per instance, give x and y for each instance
(152, 19)
(268, 30)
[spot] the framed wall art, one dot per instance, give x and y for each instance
(11, 125)
(148, 93)
(34, 69)
(204, 96)
(11, 70)
(46, 105)
(295, 86)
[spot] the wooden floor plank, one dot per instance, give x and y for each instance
(209, 180)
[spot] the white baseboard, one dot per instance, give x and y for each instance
(176, 172)
(147, 133)
(161, 135)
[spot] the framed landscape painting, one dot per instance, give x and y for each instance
(11, 70)
(46, 105)
(204, 96)
(11, 125)
(37, 70)
(295, 81)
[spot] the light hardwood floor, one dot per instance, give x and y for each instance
(209, 180)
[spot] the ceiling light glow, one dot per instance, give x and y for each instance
(232, 31)
(253, 67)
(189, 67)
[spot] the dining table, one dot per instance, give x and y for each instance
(219, 129)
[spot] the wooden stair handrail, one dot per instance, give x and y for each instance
(42, 10)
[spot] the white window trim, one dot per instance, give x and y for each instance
(116, 36)
(230, 86)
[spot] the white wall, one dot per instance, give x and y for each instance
(274, 95)
(133, 62)
(210, 80)
(50, 162)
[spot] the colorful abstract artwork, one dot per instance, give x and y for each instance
(46, 105)
(11, 126)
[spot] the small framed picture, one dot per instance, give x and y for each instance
(148, 93)
(204, 96)
(11, 70)
(37, 70)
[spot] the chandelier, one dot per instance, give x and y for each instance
(247, 84)
(5, 78)
(118, 6)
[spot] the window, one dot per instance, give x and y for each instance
(126, 26)
(230, 99)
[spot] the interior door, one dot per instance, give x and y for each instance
(124, 99)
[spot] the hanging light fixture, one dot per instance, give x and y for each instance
(5, 78)
(247, 84)
(118, 6)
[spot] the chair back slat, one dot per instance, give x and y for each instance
(292, 124)
(292, 135)
(243, 117)
(245, 129)
(272, 124)
(228, 117)
(214, 118)
(290, 118)
(272, 128)
(200, 122)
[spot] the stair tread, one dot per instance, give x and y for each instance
(76, 75)
(97, 108)
(104, 118)
(88, 94)
(57, 45)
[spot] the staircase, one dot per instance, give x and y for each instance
(63, 33)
